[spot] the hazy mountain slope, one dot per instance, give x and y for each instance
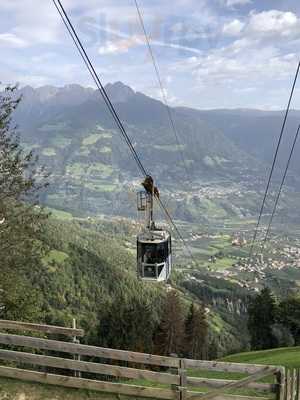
(256, 132)
(92, 169)
(46, 113)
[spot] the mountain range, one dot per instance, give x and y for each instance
(76, 138)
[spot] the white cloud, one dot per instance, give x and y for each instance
(115, 47)
(234, 3)
(12, 40)
(233, 28)
(234, 57)
(274, 22)
(32, 22)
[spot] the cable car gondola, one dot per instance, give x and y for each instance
(154, 250)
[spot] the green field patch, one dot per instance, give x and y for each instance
(100, 187)
(49, 152)
(207, 252)
(222, 263)
(54, 257)
(220, 245)
(105, 149)
(91, 139)
(94, 137)
(101, 169)
(77, 168)
(106, 135)
(170, 147)
(212, 210)
(60, 214)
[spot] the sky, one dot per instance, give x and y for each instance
(210, 53)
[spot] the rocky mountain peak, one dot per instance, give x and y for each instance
(118, 92)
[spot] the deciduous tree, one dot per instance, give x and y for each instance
(21, 180)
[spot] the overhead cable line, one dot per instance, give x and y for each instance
(163, 92)
(97, 81)
(281, 185)
(273, 164)
(68, 24)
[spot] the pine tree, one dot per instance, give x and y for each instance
(262, 313)
(170, 335)
(289, 316)
(196, 333)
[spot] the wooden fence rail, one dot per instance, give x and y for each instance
(86, 350)
(90, 367)
(50, 329)
(217, 383)
(171, 372)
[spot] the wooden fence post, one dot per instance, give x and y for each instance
(281, 384)
(183, 380)
(288, 385)
(294, 384)
(298, 385)
(77, 374)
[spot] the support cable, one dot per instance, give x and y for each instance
(273, 164)
(58, 5)
(97, 81)
(163, 92)
(281, 186)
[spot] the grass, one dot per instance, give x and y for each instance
(12, 389)
(286, 356)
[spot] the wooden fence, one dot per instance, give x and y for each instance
(292, 384)
(172, 375)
